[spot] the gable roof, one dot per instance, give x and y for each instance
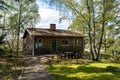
(49, 32)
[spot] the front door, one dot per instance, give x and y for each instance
(54, 45)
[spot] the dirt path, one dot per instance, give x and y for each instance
(35, 69)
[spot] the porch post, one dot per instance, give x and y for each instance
(33, 45)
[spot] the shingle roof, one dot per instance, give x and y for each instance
(49, 32)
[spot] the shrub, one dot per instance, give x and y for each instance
(86, 54)
(111, 68)
(105, 56)
(86, 51)
(115, 47)
(1, 51)
(116, 58)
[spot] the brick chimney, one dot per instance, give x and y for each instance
(53, 27)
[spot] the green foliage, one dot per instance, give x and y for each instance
(5, 73)
(2, 39)
(115, 47)
(117, 58)
(20, 15)
(110, 42)
(112, 68)
(8, 71)
(105, 56)
(110, 58)
(3, 5)
(96, 19)
(29, 14)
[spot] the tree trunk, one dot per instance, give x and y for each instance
(18, 29)
(105, 42)
(102, 32)
(18, 34)
(94, 28)
(89, 28)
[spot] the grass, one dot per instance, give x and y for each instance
(7, 67)
(89, 71)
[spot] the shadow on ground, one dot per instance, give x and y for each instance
(83, 72)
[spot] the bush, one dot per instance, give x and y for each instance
(105, 56)
(117, 58)
(110, 68)
(1, 51)
(115, 47)
(86, 54)
(87, 51)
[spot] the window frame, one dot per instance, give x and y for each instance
(65, 44)
(37, 43)
(77, 42)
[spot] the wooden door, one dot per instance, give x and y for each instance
(54, 45)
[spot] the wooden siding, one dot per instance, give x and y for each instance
(46, 47)
(27, 42)
(71, 46)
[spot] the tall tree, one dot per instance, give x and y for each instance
(21, 15)
(3, 5)
(95, 15)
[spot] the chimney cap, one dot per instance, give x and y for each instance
(52, 26)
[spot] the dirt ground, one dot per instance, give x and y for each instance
(35, 68)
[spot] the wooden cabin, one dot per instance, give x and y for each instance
(37, 41)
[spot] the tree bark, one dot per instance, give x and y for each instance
(105, 42)
(89, 27)
(102, 31)
(94, 28)
(18, 29)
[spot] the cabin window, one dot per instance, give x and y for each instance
(38, 43)
(77, 42)
(64, 42)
